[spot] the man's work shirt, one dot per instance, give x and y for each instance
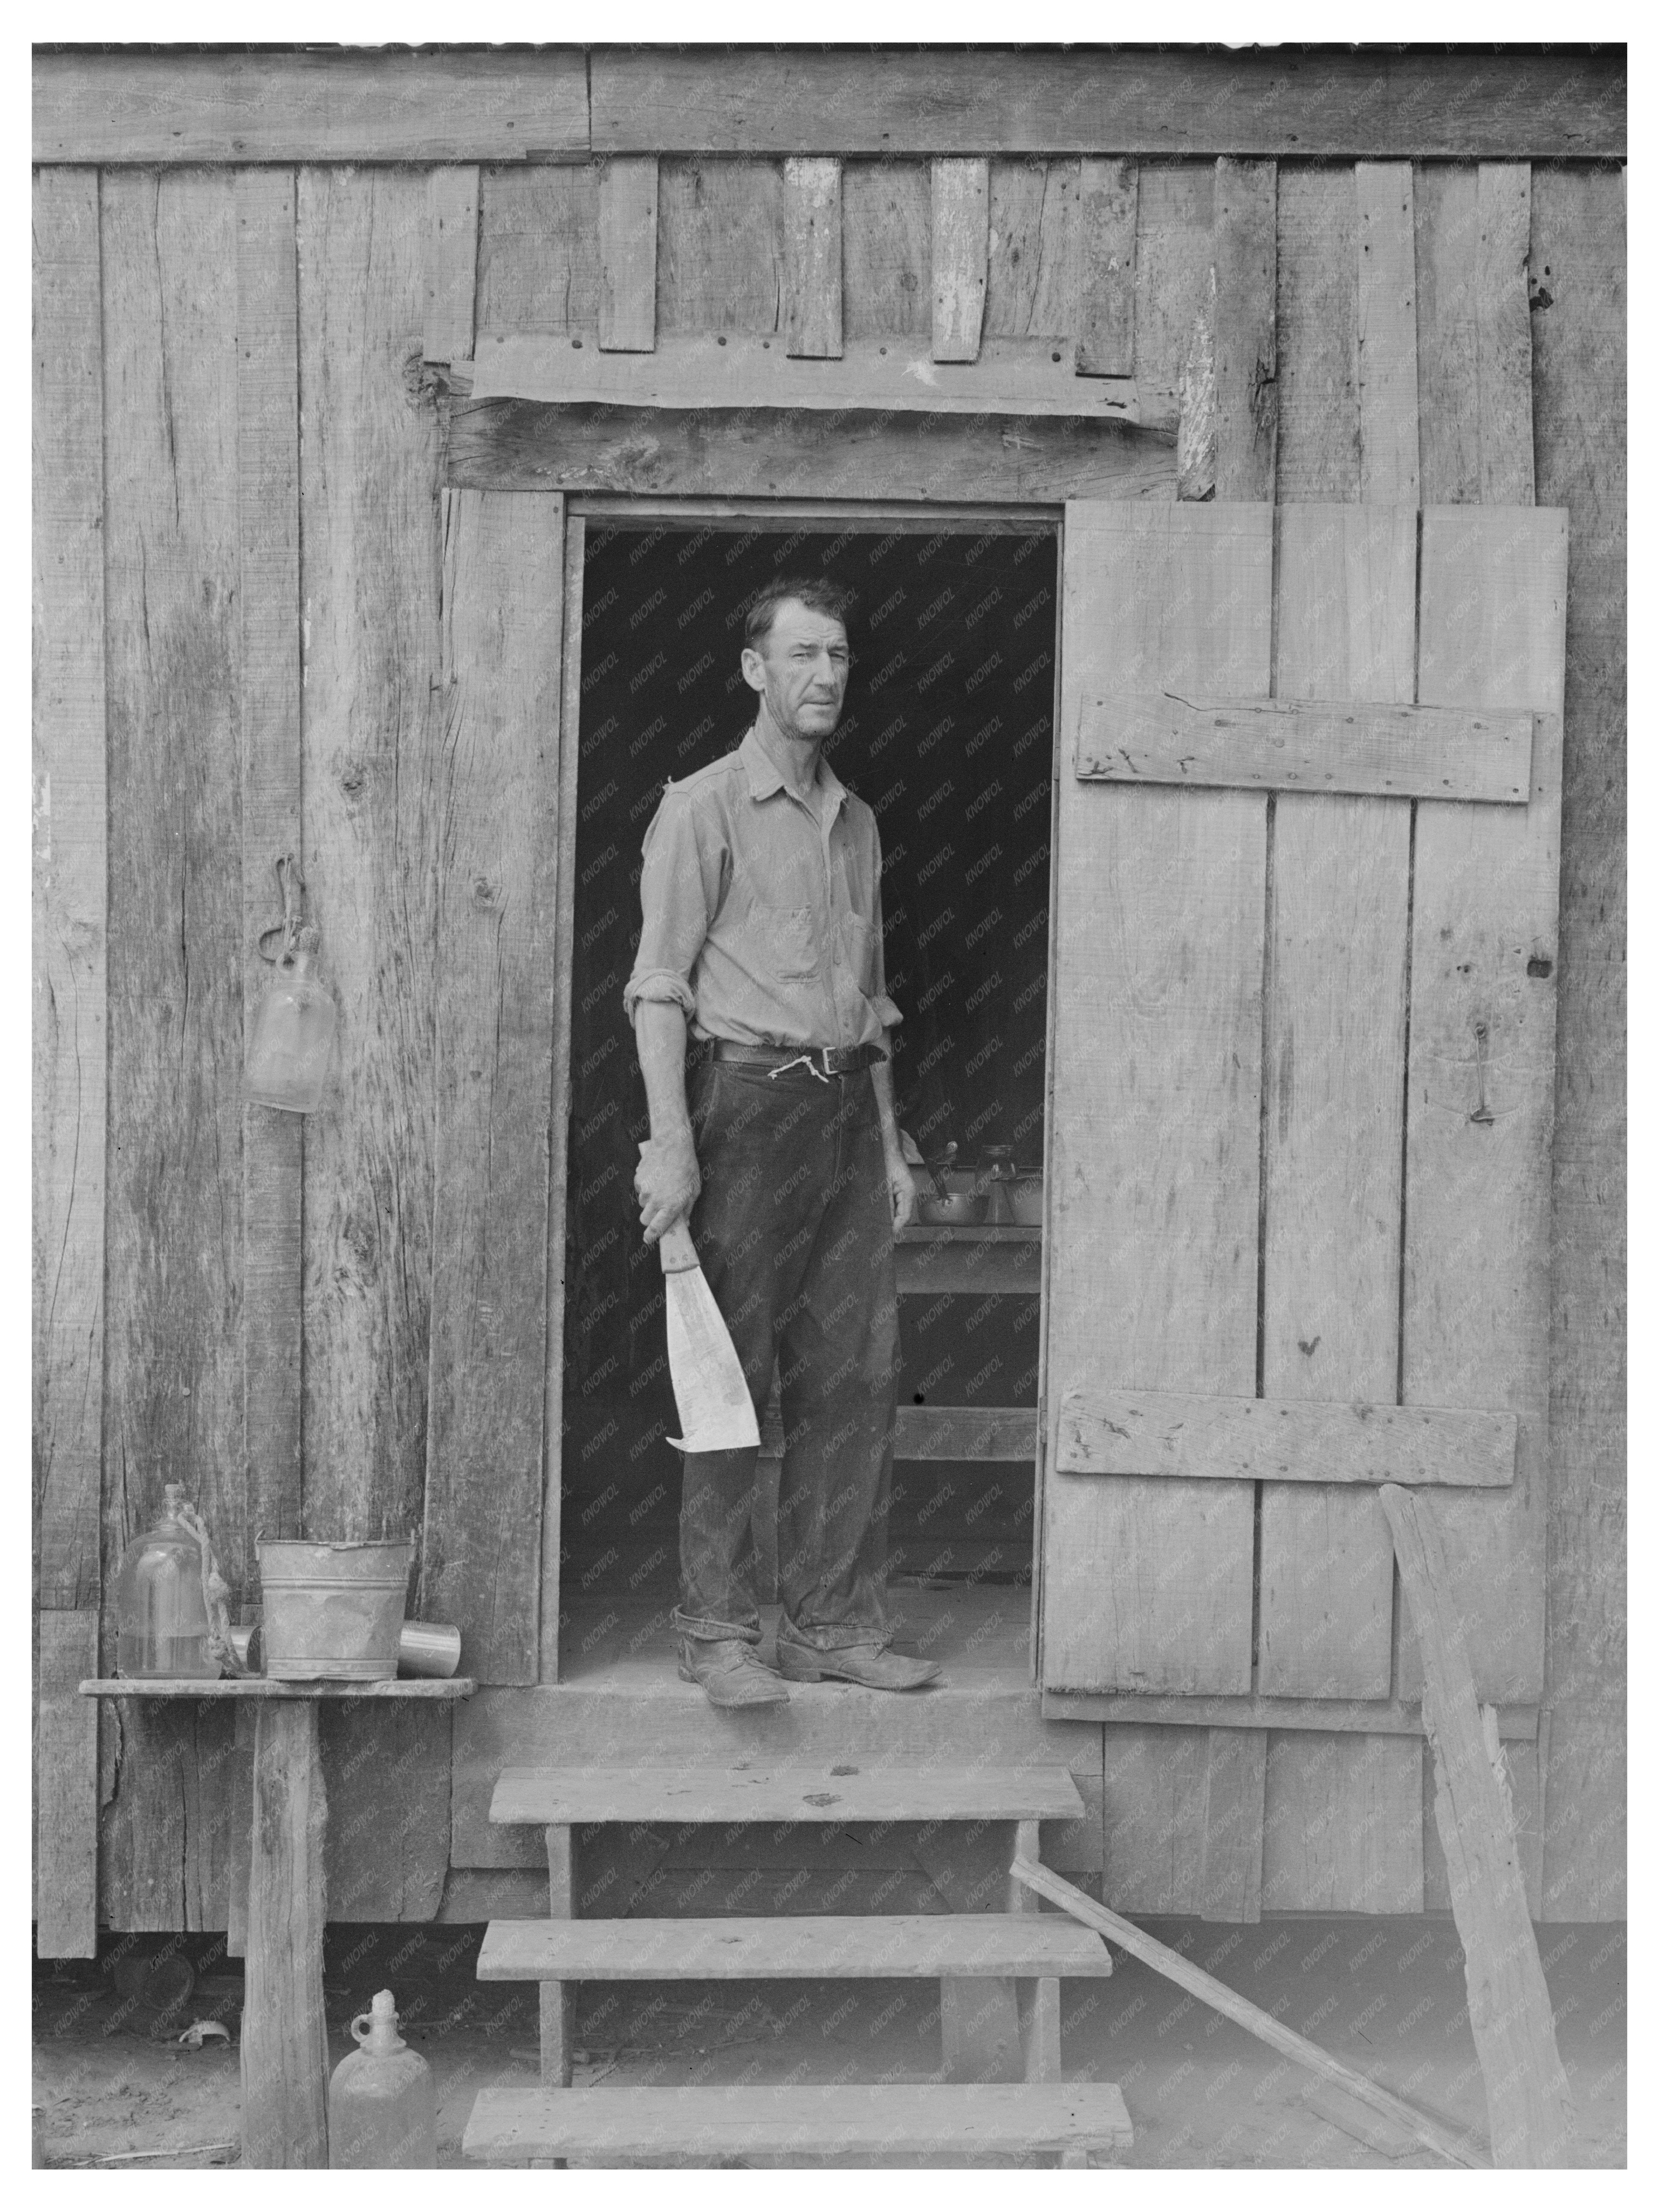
(762, 916)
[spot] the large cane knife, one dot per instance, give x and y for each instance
(716, 1409)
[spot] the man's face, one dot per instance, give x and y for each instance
(800, 670)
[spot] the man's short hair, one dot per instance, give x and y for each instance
(821, 595)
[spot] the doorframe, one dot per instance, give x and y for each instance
(917, 518)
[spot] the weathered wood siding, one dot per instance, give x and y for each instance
(172, 377)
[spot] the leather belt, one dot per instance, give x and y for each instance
(822, 1060)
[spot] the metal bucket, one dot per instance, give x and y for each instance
(333, 1612)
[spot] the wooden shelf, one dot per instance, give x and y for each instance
(257, 1685)
(983, 1262)
(953, 1432)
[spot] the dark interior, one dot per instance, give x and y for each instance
(948, 735)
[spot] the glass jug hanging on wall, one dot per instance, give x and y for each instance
(293, 1038)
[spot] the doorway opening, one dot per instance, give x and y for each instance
(948, 735)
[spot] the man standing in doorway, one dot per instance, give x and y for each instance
(762, 907)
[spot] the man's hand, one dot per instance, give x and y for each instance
(901, 1190)
(666, 1183)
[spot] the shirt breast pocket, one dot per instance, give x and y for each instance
(785, 940)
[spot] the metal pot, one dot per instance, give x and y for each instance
(964, 1207)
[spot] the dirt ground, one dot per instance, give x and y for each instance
(114, 2090)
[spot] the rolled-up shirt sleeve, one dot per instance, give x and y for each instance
(680, 888)
(886, 1011)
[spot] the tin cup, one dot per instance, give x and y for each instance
(425, 1647)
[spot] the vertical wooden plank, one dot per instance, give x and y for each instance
(558, 1999)
(811, 243)
(70, 886)
(564, 932)
(1387, 333)
(1447, 225)
(372, 771)
(1503, 332)
(267, 555)
(387, 1769)
(1578, 281)
(452, 262)
(538, 247)
(961, 195)
(1037, 257)
(886, 219)
(240, 1876)
(1158, 1056)
(1244, 328)
(173, 1371)
(1475, 1316)
(1106, 326)
(1334, 1076)
(1245, 342)
(69, 894)
(1318, 454)
(284, 2038)
(504, 616)
(1175, 263)
(66, 1788)
(1195, 431)
(1528, 2104)
(627, 254)
(1344, 1824)
(1039, 2029)
(1236, 1778)
(720, 251)
(1156, 1780)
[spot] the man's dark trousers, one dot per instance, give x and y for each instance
(794, 1229)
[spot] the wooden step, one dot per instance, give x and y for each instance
(696, 2126)
(1026, 1945)
(580, 1796)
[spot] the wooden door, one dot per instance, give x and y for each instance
(1302, 1067)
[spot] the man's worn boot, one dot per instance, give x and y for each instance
(730, 1671)
(872, 1665)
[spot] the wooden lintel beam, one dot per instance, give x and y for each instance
(707, 369)
(735, 452)
(1307, 744)
(1182, 1436)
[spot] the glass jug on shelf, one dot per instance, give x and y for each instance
(997, 1176)
(160, 1609)
(293, 1034)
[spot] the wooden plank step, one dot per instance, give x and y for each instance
(832, 1946)
(578, 1797)
(807, 2119)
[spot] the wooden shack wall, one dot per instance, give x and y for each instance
(249, 579)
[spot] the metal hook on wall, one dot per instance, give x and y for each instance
(292, 886)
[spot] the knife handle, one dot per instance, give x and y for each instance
(679, 1252)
